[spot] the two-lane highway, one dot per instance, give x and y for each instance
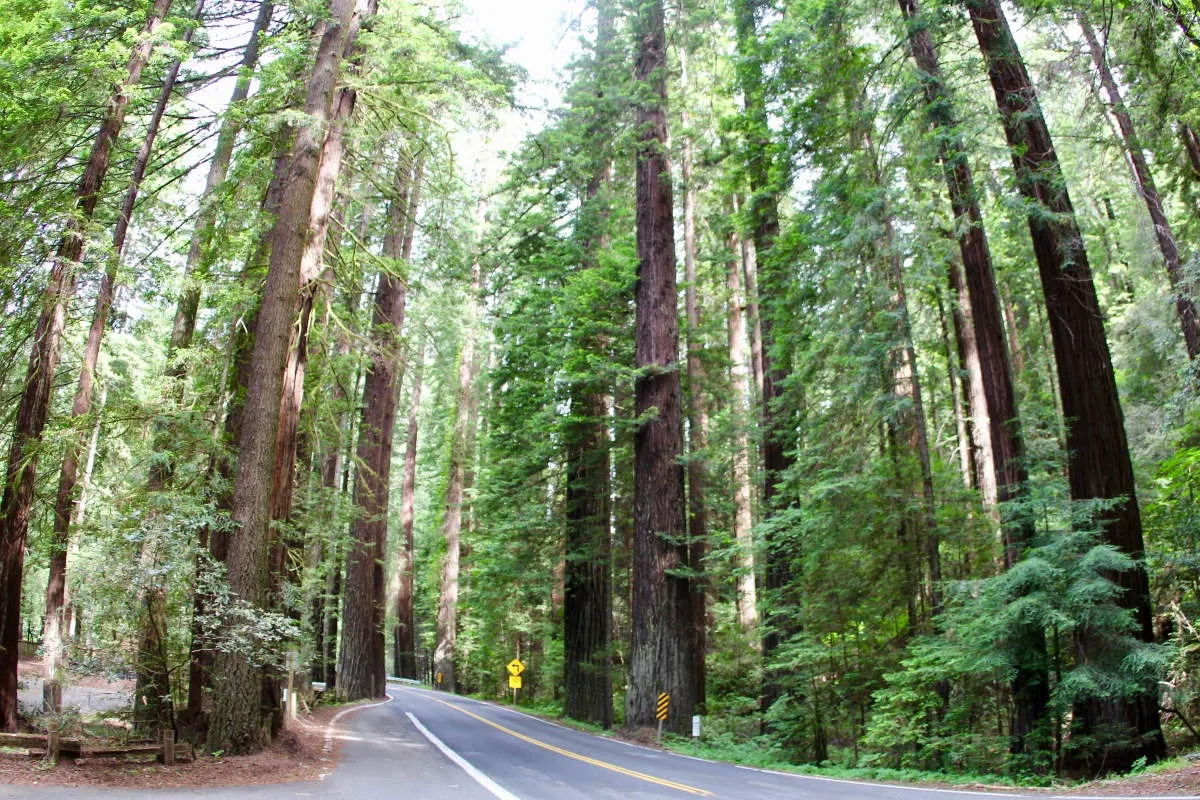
(524, 757)
(427, 745)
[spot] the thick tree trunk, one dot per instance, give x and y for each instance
(404, 641)
(312, 286)
(739, 377)
(236, 725)
(661, 657)
(214, 542)
(364, 670)
(406, 632)
(456, 480)
(67, 498)
(1144, 181)
(45, 350)
(1099, 465)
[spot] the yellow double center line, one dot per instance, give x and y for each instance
(683, 787)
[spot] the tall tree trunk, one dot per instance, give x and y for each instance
(587, 567)
(184, 325)
(67, 498)
(406, 632)
(697, 408)
(739, 377)
(45, 350)
(236, 721)
(661, 657)
(312, 286)
(214, 542)
(456, 480)
(364, 669)
(763, 215)
(965, 388)
(997, 424)
(1098, 462)
(1144, 181)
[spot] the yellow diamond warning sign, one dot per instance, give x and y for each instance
(515, 667)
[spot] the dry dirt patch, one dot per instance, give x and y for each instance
(297, 755)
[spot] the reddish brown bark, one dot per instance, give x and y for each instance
(1191, 145)
(1098, 462)
(661, 655)
(236, 720)
(363, 670)
(45, 351)
(742, 394)
(997, 424)
(241, 342)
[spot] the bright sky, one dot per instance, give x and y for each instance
(544, 32)
(543, 36)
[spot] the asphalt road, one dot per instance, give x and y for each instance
(432, 746)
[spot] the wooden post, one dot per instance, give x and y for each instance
(291, 696)
(168, 747)
(52, 740)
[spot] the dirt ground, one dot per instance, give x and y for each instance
(1183, 781)
(299, 754)
(302, 753)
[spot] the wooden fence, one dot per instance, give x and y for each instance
(52, 745)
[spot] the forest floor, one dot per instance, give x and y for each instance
(1174, 781)
(304, 752)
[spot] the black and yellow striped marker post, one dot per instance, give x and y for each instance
(662, 711)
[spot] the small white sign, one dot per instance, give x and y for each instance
(696, 726)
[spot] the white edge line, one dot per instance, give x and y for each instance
(327, 747)
(483, 780)
(801, 775)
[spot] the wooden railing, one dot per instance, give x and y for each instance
(53, 746)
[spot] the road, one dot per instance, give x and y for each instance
(433, 746)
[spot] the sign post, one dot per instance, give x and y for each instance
(515, 668)
(292, 662)
(662, 711)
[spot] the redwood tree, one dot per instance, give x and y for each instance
(997, 425)
(1098, 462)
(363, 672)
(587, 575)
(661, 658)
(236, 721)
